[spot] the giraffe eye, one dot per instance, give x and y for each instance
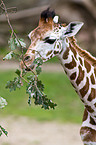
(26, 58)
(48, 40)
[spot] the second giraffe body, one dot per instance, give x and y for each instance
(51, 38)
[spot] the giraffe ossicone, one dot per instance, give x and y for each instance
(51, 39)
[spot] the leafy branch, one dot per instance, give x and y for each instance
(34, 86)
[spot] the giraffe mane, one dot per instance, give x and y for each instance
(83, 53)
(47, 14)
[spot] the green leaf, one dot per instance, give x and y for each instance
(16, 56)
(3, 131)
(18, 72)
(11, 43)
(31, 77)
(29, 100)
(2, 102)
(38, 61)
(38, 95)
(20, 43)
(40, 85)
(9, 55)
(38, 70)
(0, 132)
(12, 85)
(35, 90)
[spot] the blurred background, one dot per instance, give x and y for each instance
(28, 12)
(31, 125)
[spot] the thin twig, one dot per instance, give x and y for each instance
(13, 33)
(8, 20)
(9, 23)
(7, 17)
(23, 79)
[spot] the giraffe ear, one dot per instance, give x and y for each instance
(73, 28)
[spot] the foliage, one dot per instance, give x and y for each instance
(2, 105)
(68, 100)
(34, 86)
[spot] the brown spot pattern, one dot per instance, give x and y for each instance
(73, 50)
(89, 134)
(87, 66)
(80, 61)
(92, 94)
(89, 108)
(55, 52)
(71, 65)
(85, 115)
(66, 53)
(80, 76)
(92, 121)
(51, 56)
(43, 58)
(61, 51)
(48, 53)
(33, 51)
(73, 76)
(82, 53)
(57, 46)
(95, 104)
(84, 90)
(92, 79)
(95, 71)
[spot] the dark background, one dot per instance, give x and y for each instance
(28, 12)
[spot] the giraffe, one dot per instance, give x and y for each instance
(51, 39)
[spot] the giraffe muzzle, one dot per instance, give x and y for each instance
(29, 68)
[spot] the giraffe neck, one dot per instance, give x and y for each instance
(80, 68)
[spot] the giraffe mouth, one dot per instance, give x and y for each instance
(29, 68)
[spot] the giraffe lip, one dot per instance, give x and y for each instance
(29, 68)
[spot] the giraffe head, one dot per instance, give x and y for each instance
(49, 38)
